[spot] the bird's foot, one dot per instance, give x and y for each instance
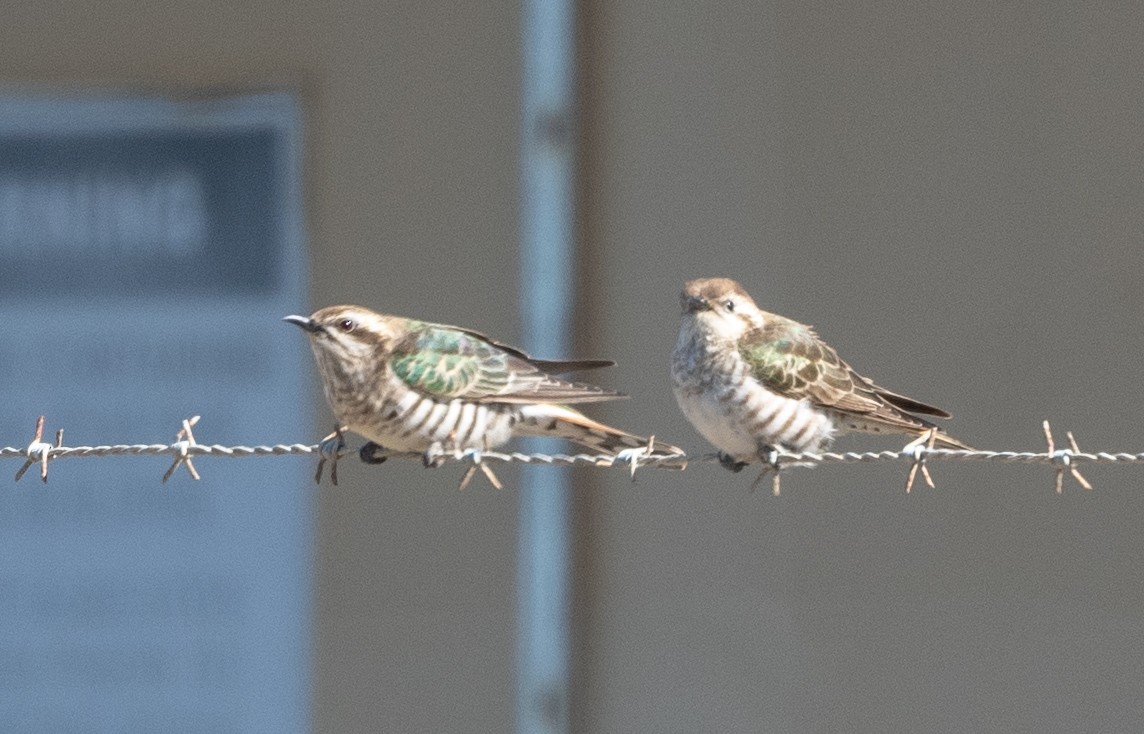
(474, 455)
(372, 453)
(729, 462)
(329, 449)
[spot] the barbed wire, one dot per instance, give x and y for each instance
(332, 448)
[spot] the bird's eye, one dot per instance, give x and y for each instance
(729, 305)
(347, 325)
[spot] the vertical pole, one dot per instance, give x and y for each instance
(547, 275)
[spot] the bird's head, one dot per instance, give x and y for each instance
(348, 333)
(719, 307)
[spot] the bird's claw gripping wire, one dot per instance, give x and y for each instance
(729, 463)
(372, 452)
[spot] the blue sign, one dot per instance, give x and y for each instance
(148, 250)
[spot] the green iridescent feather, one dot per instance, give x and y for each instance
(447, 362)
(790, 359)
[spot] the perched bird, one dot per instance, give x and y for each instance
(410, 385)
(752, 381)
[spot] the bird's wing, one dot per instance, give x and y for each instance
(551, 366)
(788, 358)
(446, 362)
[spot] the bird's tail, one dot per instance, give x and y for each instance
(546, 419)
(941, 439)
(944, 440)
(892, 420)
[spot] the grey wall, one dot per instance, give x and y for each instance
(949, 192)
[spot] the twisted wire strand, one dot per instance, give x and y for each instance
(917, 453)
(161, 449)
(668, 461)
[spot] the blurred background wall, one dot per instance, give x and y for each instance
(949, 192)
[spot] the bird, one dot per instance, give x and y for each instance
(415, 386)
(753, 382)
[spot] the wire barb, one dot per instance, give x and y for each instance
(770, 457)
(916, 450)
(184, 440)
(1062, 460)
(477, 463)
(40, 452)
(634, 455)
(330, 449)
(918, 453)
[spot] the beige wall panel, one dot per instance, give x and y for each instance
(951, 194)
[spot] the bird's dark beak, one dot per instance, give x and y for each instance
(304, 322)
(693, 304)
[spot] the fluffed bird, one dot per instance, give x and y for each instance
(415, 386)
(752, 382)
